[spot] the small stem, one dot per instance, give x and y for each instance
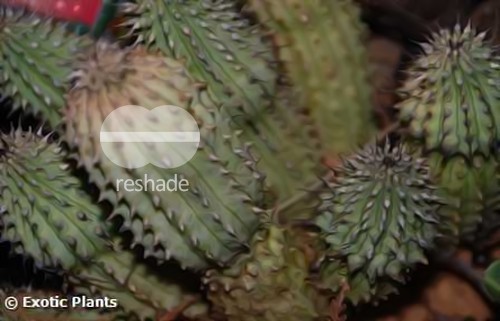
(174, 314)
(315, 187)
(388, 130)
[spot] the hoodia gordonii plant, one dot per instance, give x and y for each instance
(218, 43)
(451, 108)
(213, 220)
(284, 146)
(223, 49)
(34, 66)
(280, 138)
(46, 216)
(319, 43)
(262, 143)
(139, 291)
(269, 283)
(56, 229)
(379, 216)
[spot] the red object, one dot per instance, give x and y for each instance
(83, 11)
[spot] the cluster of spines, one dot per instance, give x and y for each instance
(35, 65)
(213, 220)
(451, 97)
(272, 142)
(380, 215)
(46, 216)
(219, 45)
(56, 229)
(450, 109)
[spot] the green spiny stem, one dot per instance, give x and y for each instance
(287, 152)
(116, 274)
(450, 110)
(469, 186)
(380, 214)
(211, 222)
(319, 43)
(46, 216)
(219, 45)
(450, 100)
(222, 49)
(55, 229)
(35, 66)
(269, 283)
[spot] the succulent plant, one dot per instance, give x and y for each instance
(268, 141)
(222, 49)
(210, 223)
(117, 274)
(470, 187)
(277, 88)
(451, 95)
(285, 148)
(450, 108)
(320, 46)
(56, 229)
(269, 283)
(46, 216)
(219, 45)
(379, 215)
(35, 66)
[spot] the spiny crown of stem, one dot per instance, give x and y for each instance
(380, 215)
(103, 66)
(452, 98)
